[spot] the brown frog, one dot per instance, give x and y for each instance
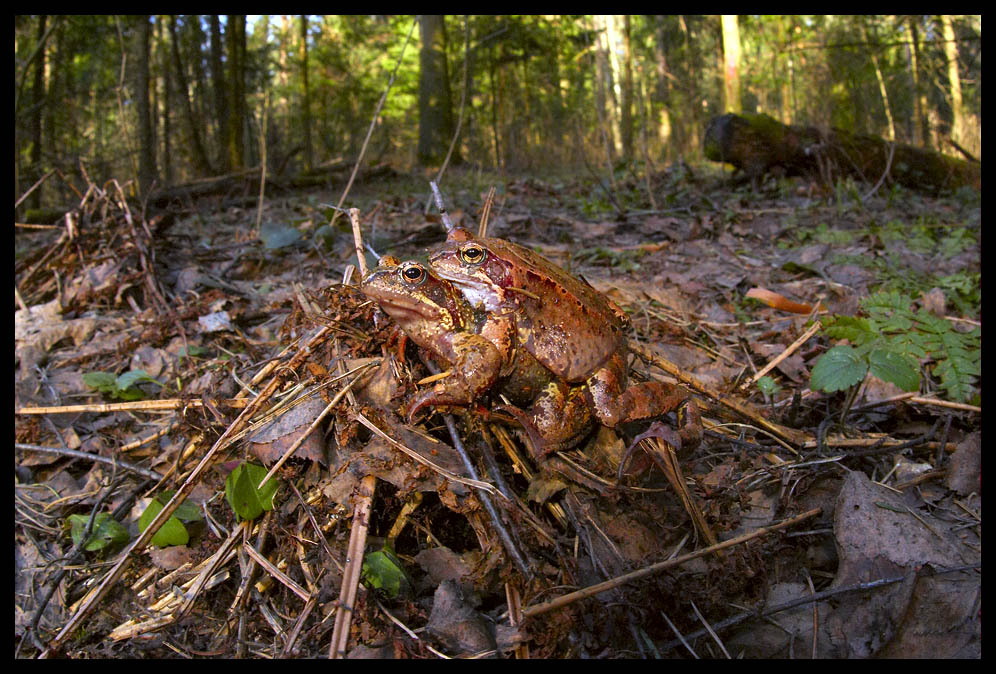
(568, 326)
(436, 317)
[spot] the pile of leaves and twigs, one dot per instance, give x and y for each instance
(212, 461)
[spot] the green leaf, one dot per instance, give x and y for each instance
(838, 369)
(896, 368)
(856, 330)
(105, 382)
(132, 377)
(767, 385)
(186, 512)
(106, 531)
(172, 532)
(243, 494)
(194, 351)
(383, 571)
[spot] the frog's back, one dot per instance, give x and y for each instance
(571, 328)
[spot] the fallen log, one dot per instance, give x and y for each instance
(756, 144)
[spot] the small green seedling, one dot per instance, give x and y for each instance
(122, 386)
(106, 531)
(383, 571)
(243, 493)
(172, 532)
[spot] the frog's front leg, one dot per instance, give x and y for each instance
(475, 367)
(614, 403)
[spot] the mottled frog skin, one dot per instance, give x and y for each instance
(434, 315)
(576, 332)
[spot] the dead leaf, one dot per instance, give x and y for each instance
(271, 441)
(965, 471)
(934, 301)
(455, 622)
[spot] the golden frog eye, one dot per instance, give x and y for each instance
(413, 273)
(472, 254)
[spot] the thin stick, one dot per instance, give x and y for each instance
(361, 258)
(354, 564)
(661, 566)
(144, 472)
(783, 355)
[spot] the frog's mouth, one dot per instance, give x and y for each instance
(404, 308)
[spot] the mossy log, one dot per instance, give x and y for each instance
(757, 144)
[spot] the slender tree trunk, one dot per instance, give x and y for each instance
(37, 98)
(435, 107)
(954, 80)
(626, 114)
(731, 64)
(604, 88)
(662, 88)
(200, 155)
(235, 39)
(165, 107)
(218, 84)
(146, 139)
(306, 102)
(920, 135)
(872, 41)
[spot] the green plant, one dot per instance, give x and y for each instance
(119, 386)
(243, 493)
(106, 531)
(172, 532)
(382, 570)
(891, 341)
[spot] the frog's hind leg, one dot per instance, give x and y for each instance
(559, 418)
(615, 403)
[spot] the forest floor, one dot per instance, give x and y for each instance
(141, 343)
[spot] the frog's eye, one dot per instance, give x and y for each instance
(413, 274)
(472, 254)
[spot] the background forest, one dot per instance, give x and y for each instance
(169, 99)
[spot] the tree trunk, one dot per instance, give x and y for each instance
(435, 107)
(306, 102)
(201, 160)
(626, 114)
(219, 85)
(920, 134)
(869, 38)
(731, 63)
(604, 88)
(235, 39)
(951, 52)
(146, 139)
(37, 99)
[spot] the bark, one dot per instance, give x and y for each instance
(146, 138)
(435, 106)
(218, 87)
(626, 113)
(201, 160)
(954, 80)
(306, 102)
(37, 97)
(235, 41)
(731, 63)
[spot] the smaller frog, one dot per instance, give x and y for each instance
(434, 315)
